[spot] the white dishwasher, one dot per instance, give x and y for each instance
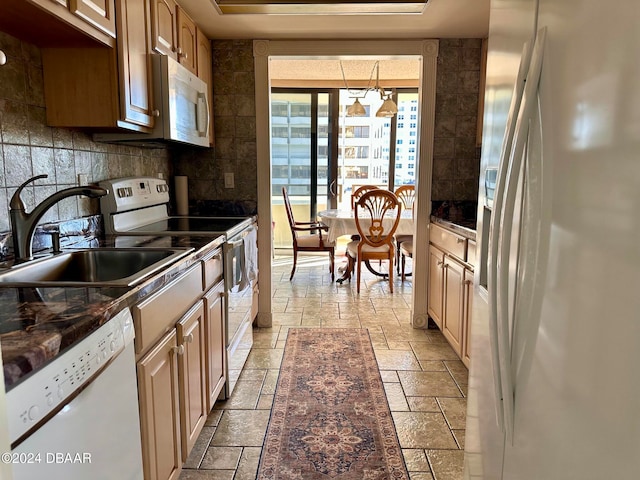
(77, 418)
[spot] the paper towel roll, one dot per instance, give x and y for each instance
(182, 195)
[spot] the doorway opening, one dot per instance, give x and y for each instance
(320, 154)
(267, 56)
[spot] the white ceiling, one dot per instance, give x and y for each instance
(440, 19)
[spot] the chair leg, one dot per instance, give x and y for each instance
(359, 274)
(332, 265)
(295, 260)
(403, 261)
(391, 273)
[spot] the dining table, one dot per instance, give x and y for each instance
(341, 222)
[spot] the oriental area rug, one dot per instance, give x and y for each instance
(330, 417)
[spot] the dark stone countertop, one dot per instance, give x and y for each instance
(459, 229)
(37, 324)
(459, 216)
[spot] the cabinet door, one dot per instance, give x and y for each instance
(205, 72)
(99, 13)
(453, 303)
(191, 368)
(466, 318)
(436, 283)
(134, 38)
(187, 40)
(164, 36)
(159, 410)
(214, 321)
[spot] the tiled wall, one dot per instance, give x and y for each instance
(456, 159)
(235, 137)
(28, 147)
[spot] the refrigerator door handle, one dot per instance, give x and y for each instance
(520, 138)
(494, 229)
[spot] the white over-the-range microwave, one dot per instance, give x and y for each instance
(181, 103)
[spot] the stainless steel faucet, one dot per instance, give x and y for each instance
(23, 224)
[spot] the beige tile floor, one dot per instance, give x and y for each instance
(425, 382)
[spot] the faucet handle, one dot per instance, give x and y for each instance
(16, 202)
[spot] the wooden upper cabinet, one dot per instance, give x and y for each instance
(164, 27)
(135, 70)
(100, 87)
(187, 40)
(205, 72)
(60, 23)
(99, 13)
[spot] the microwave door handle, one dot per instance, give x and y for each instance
(202, 100)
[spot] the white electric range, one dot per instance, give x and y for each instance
(140, 206)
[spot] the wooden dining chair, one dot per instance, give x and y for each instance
(376, 235)
(361, 190)
(315, 241)
(407, 195)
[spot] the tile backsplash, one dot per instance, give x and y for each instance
(28, 147)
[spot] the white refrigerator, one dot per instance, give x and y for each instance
(554, 388)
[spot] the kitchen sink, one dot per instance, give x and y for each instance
(92, 267)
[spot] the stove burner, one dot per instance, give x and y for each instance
(191, 224)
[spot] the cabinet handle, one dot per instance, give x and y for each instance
(178, 350)
(188, 338)
(459, 240)
(156, 113)
(440, 263)
(467, 282)
(179, 50)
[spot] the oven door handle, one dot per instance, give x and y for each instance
(235, 243)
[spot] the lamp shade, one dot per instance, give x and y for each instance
(387, 109)
(356, 110)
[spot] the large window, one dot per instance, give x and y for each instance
(320, 165)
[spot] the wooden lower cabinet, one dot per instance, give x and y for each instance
(191, 371)
(450, 290)
(468, 308)
(158, 392)
(214, 334)
(436, 282)
(171, 390)
(453, 316)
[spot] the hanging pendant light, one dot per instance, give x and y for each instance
(356, 110)
(388, 108)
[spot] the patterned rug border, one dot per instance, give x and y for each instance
(387, 446)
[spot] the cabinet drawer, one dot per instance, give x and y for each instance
(212, 269)
(448, 241)
(471, 252)
(157, 314)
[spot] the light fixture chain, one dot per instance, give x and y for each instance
(344, 78)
